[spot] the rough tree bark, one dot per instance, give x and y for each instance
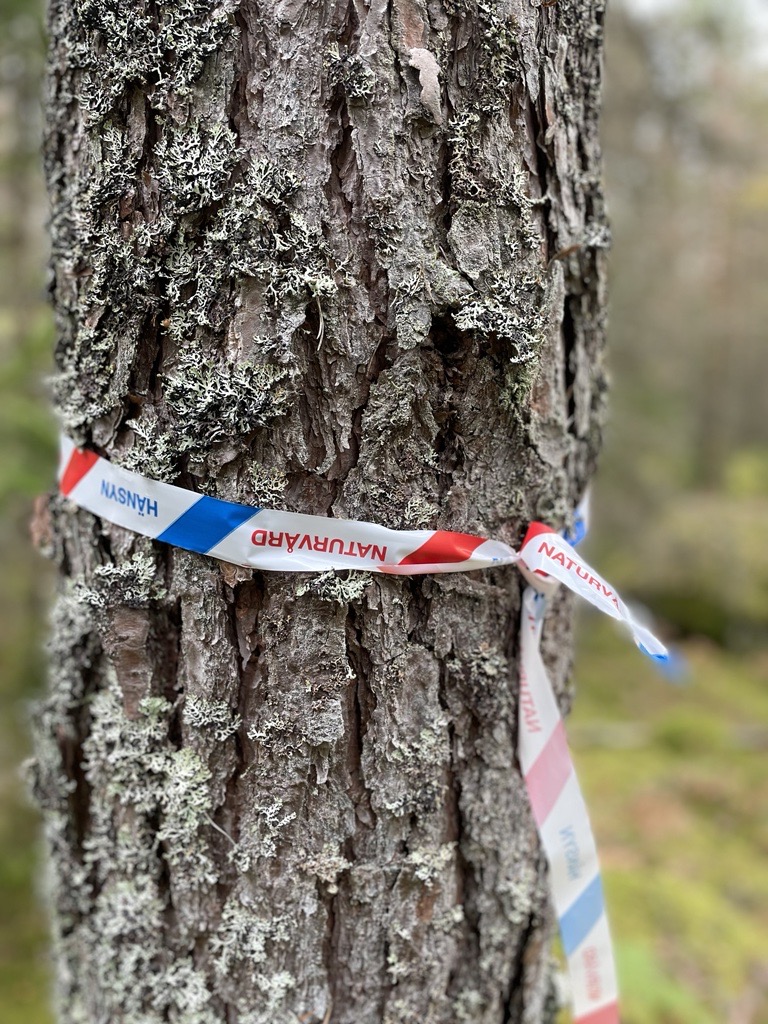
(343, 258)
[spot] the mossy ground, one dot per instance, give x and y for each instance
(674, 776)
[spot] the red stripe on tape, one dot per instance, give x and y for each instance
(79, 464)
(605, 1015)
(548, 774)
(534, 529)
(444, 546)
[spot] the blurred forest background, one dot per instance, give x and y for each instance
(674, 774)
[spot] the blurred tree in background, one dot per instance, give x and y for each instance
(27, 446)
(675, 778)
(686, 469)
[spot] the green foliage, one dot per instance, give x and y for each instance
(701, 562)
(26, 432)
(689, 731)
(746, 473)
(28, 449)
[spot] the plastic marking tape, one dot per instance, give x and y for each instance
(564, 829)
(290, 542)
(547, 554)
(263, 538)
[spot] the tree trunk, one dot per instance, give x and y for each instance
(343, 259)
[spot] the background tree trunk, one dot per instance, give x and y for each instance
(343, 259)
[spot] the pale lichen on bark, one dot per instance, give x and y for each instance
(344, 259)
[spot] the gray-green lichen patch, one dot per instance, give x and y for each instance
(73, 649)
(499, 47)
(210, 402)
(429, 864)
(522, 892)
(420, 513)
(154, 243)
(147, 803)
(327, 865)
(257, 232)
(214, 401)
(247, 941)
(351, 71)
(120, 47)
(214, 716)
(194, 164)
(416, 788)
(468, 1006)
(189, 992)
(155, 451)
(465, 160)
(330, 586)
(186, 805)
(487, 665)
(260, 838)
(242, 935)
(269, 484)
(509, 310)
(114, 222)
(134, 583)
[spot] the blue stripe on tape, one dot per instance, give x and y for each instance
(661, 658)
(206, 524)
(582, 916)
(577, 534)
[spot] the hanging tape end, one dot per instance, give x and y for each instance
(654, 657)
(672, 665)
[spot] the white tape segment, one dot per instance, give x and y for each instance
(263, 538)
(564, 828)
(291, 542)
